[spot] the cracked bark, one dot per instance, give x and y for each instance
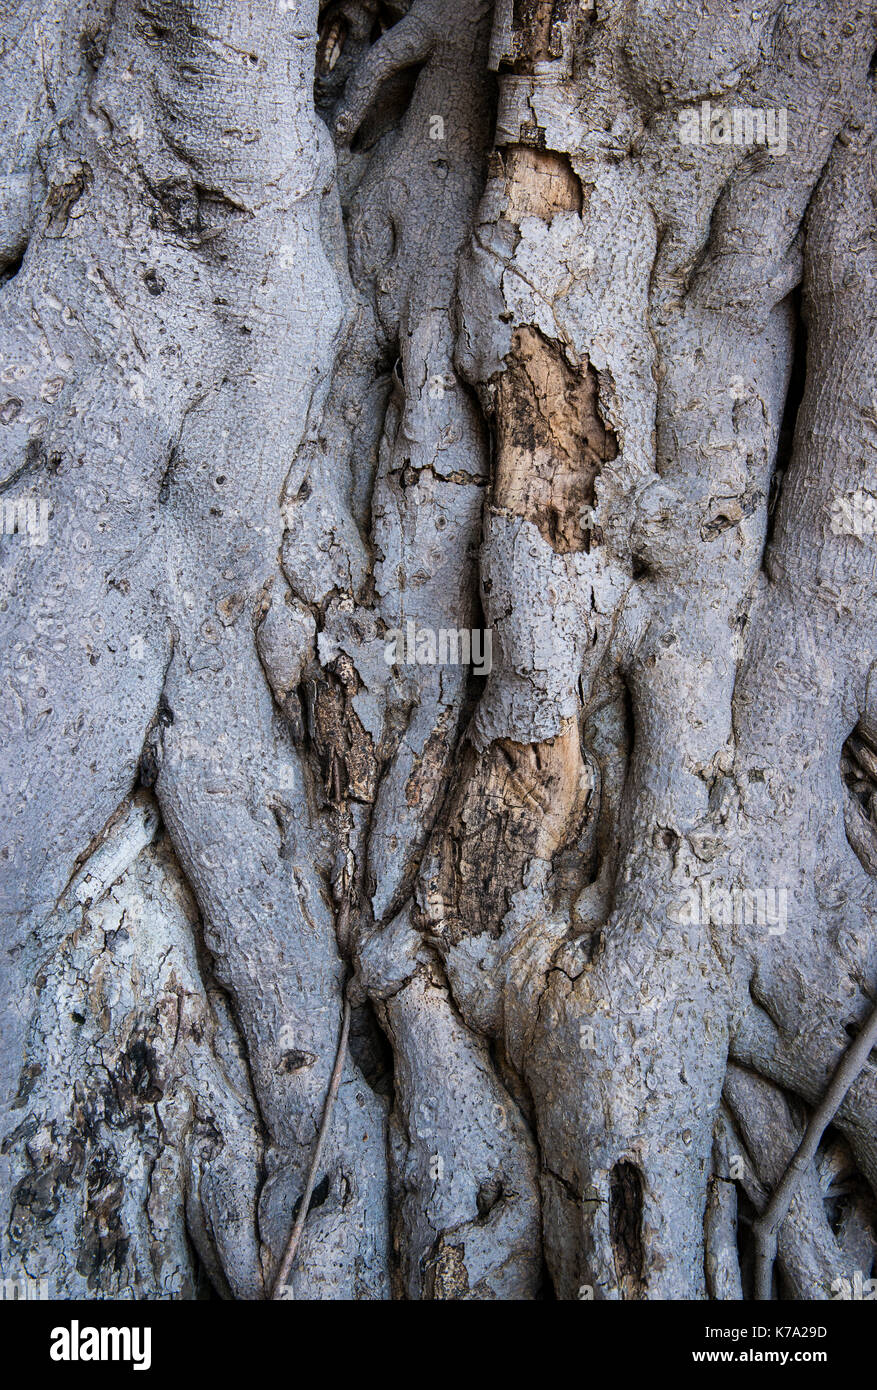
(320, 322)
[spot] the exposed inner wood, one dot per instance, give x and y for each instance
(532, 24)
(551, 442)
(513, 803)
(343, 746)
(539, 183)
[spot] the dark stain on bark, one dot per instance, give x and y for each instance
(63, 197)
(103, 1239)
(370, 1051)
(297, 1060)
(318, 1197)
(343, 747)
(625, 1226)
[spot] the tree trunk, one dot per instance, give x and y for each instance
(439, 497)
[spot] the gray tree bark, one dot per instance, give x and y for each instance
(326, 323)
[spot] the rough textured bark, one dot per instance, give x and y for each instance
(323, 323)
